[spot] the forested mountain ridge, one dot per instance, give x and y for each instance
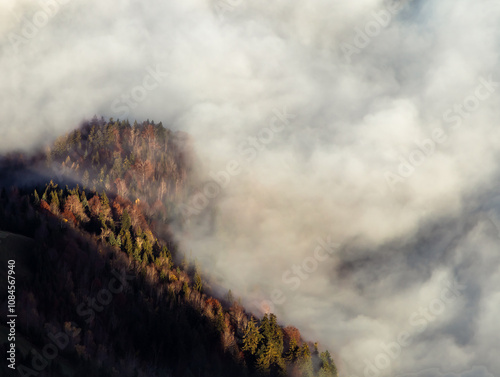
(98, 203)
(143, 161)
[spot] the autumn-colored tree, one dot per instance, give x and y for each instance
(68, 215)
(289, 333)
(74, 205)
(150, 171)
(95, 206)
(44, 205)
(149, 134)
(137, 218)
(121, 187)
(145, 169)
(237, 313)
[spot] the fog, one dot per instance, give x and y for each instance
(348, 152)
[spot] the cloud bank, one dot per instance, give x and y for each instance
(356, 142)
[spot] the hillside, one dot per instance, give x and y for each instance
(102, 281)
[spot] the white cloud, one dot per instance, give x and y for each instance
(324, 173)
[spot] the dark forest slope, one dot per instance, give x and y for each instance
(100, 282)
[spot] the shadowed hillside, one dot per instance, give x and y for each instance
(101, 289)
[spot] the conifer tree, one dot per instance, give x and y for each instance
(305, 361)
(197, 282)
(128, 247)
(271, 349)
(220, 322)
(185, 289)
(230, 297)
(54, 199)
(328, 368)
(126, 221)
(252, 337)
(293, 351)
(104, 201)
(112, 239)
(83, 199)
(277, 334)
(86, 178)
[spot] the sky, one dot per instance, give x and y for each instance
(347, 152)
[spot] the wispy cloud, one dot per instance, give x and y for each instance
(323, 174)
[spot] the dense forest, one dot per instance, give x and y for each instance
(104, 281)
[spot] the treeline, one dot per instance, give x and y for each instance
(144, 161)
(164, 323)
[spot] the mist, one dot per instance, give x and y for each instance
(348, 154)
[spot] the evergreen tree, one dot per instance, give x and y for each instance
(277, 334)
(271, 350)
(229, 297)
(116, 170)
(328, 368)
(102, 175)
(197, 282)
(95, 159)
(104, 201)
(54, 199)
(128, 247)
(252, 337)
(220, 323)
(102, 221)
(36, 200)
(112, 239)
(126, 221)
(170, 260)
(185, 263)
(147, 248)
(83, 199)
(185, 289)
(86, 178)
(165, 253)
(265, 327)
(305, 361)
(137, 254)
(293, 351)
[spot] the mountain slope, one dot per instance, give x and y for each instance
(106, 291)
